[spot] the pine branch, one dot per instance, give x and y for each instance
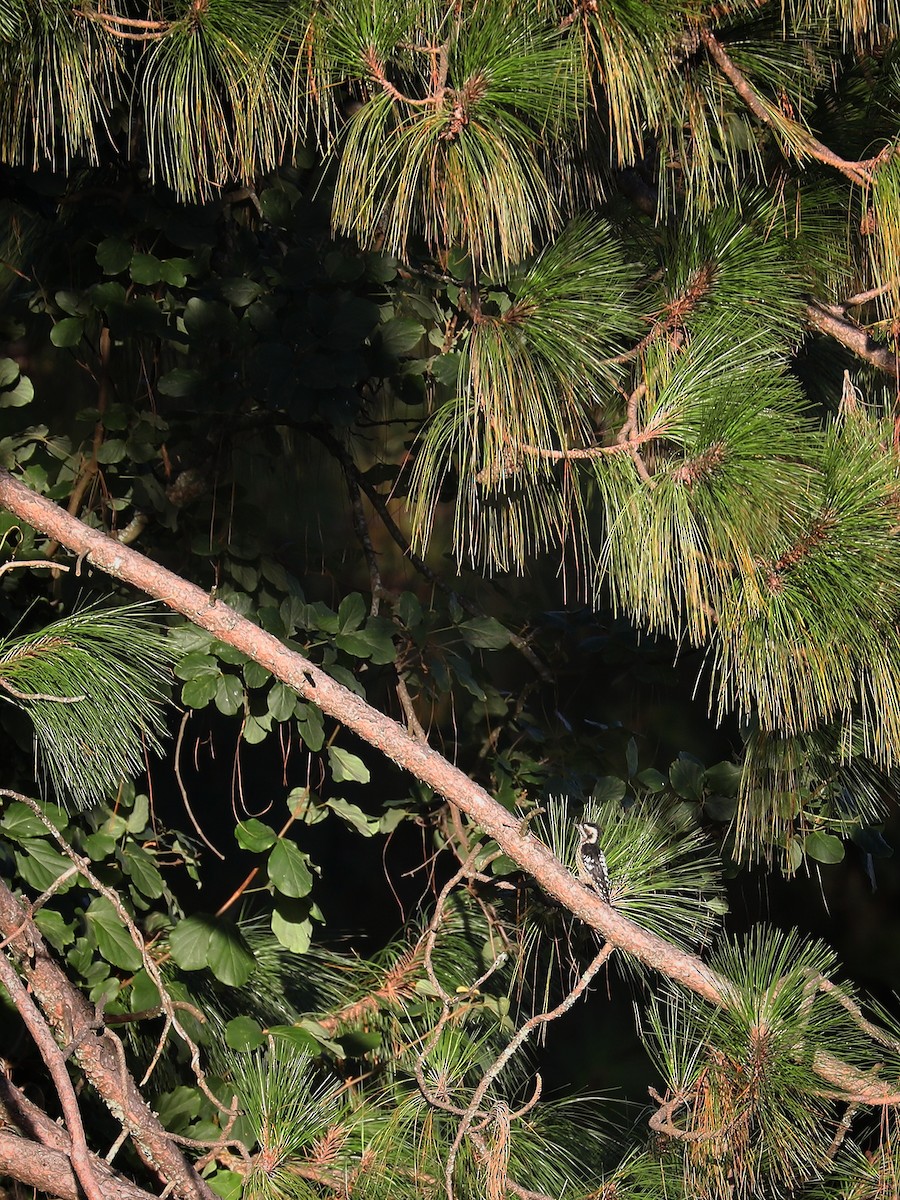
(858, 172)
(396, 743)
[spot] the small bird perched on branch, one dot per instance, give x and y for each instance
(592, 861)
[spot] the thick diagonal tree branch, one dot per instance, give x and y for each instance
(396, 743)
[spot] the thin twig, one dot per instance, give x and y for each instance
(184, 796)
(17, 695)
(514, 1044)
(872, 294)
(662, 1121)
(21, 562)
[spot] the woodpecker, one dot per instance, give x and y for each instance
(592, 861)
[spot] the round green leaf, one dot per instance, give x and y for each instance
(146, 268)
(346, 766)
(281, 701)
(114, 255)
(230, 958)
(243, 1033)
(824, 847)
(197, 693)
(112, 938)
(67, 332)
(189, 941)
(254, 836)
(229, 695)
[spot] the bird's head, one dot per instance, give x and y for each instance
(590, 833)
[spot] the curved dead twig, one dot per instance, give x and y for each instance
(515, 1043)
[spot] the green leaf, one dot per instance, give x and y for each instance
(196, 664)
(98, 846)
(724, 778)
(198, 692)
(240, 292)
(67, 332)
(608, 790)
(351, 612)
(354, 816)
(652, 780)
(288, 870)
(631, 757)
(9, 372)
(230, 958)
(189, 941)
(254, 836)
(113, 939)
(300, 1040)
(346, 766)
(311, 726)
(243, 1033)
(54, 927)
(20, 395)
(485, 633)
(146, 269)
(112, 450)
(180, 381)
(291, 924)
(226, 1184)
(281, 701)
(686, 777)
(114, 255)
(143, 871)
(40, 865)
(400, 335)
(255, 676)
(19, 821)
(171, 271)
(229, 695)
(144, 993)
(256, 729)
(176, 1109)
(358, 1042)
(209, 319)
(824, 847)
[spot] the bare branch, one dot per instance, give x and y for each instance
(514, 1044)
(56, 1064)
(17, 563)
(50, 1171)
(832, 320)
(98, 1051)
